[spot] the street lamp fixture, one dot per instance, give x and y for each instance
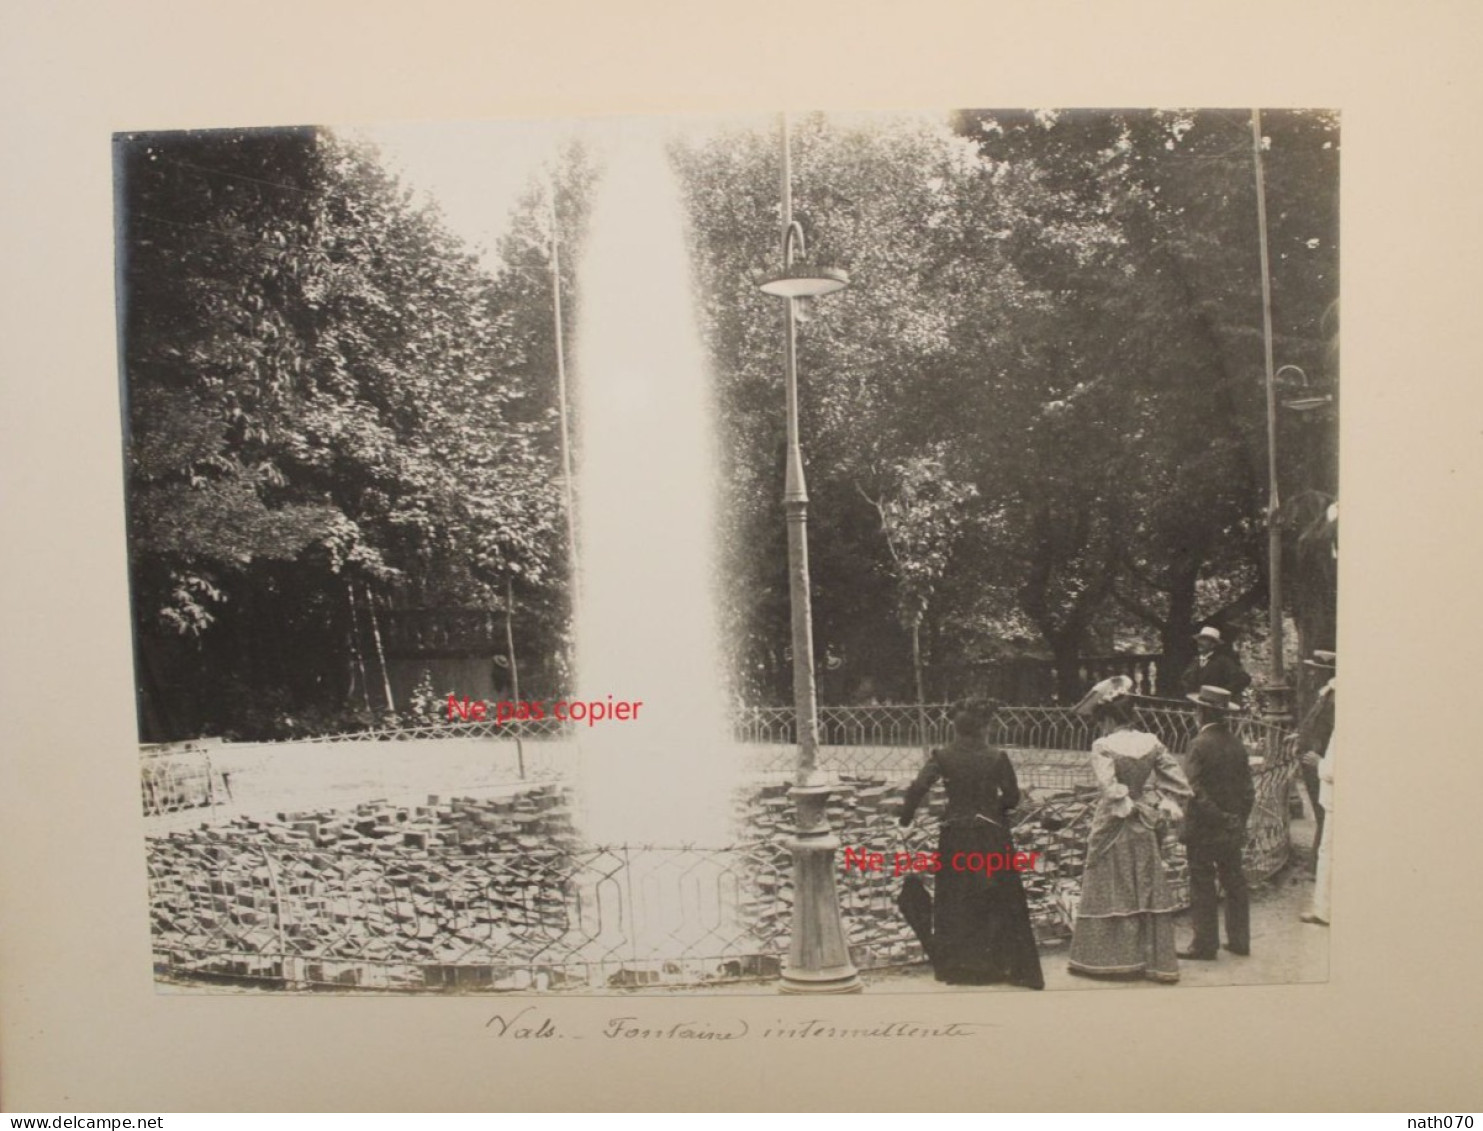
(800, 280)
(1308, 404)
(1308, 399)
(818, 955)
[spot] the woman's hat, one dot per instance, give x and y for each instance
(1217, 697)
(1114, 687)
(973, 716)
(1210, 633)
(1321, 659)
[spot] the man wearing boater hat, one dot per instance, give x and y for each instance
(1215, 828)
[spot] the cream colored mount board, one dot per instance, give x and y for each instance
(84, 1023)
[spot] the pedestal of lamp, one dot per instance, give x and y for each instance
(818, 955)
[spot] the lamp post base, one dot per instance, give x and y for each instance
(1275, 703)
(818, 956)
(843, 981)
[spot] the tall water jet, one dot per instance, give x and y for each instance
(647, 623)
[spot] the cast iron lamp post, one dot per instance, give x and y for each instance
(818, 955)
(1276, 703)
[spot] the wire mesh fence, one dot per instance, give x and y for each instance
(174, 778)
(455, 728)
(409, 920)
(498, 892)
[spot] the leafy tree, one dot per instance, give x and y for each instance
(317, 425)
(1063, 316)
(1159, 294)
(878, 199)
(922, 519)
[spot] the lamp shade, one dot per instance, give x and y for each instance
(804, 281)
(1308, 404)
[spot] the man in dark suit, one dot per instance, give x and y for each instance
(1216, 666)
(1215, 828)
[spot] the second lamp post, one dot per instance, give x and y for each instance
(818, 954)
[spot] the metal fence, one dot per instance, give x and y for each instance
(536, 729)
(853, 737)
(405, 910)
(233, 908)
(178, 777)
(849, 735)
(1047, 745)
(500, 894)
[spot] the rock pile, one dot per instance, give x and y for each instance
(380, 895)
(499, 893)
(1052, 822)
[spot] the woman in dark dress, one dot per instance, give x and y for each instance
(981, 930)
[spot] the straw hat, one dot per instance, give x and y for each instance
(1216, 697)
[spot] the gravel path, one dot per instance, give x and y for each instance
(1283, 948)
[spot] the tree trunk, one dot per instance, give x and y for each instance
(514, 670)
(916, 670)
(380, 653)
(1178, 632)
(355, 652)
(1066, 649)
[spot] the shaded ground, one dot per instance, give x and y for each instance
(259, 779)
(1283, 948)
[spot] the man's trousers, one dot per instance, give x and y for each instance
(1207, 863)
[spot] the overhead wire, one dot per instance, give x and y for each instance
(235, 176)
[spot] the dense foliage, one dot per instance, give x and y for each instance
(1034, 425)
(1056, 320)
(326, 417)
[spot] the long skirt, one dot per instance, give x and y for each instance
(981, 931)
(1125, 920)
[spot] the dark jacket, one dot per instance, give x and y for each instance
(1219, 669)
(980, 779)
(1318, 723)
(1220, 775)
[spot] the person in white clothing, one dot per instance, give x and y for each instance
(1320, 911)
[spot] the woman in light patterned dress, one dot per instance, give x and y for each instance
(1125, 919)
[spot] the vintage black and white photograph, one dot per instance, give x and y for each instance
(813, 553)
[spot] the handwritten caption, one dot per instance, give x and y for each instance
(903, 863)
(531, 1024)
(590, 711)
